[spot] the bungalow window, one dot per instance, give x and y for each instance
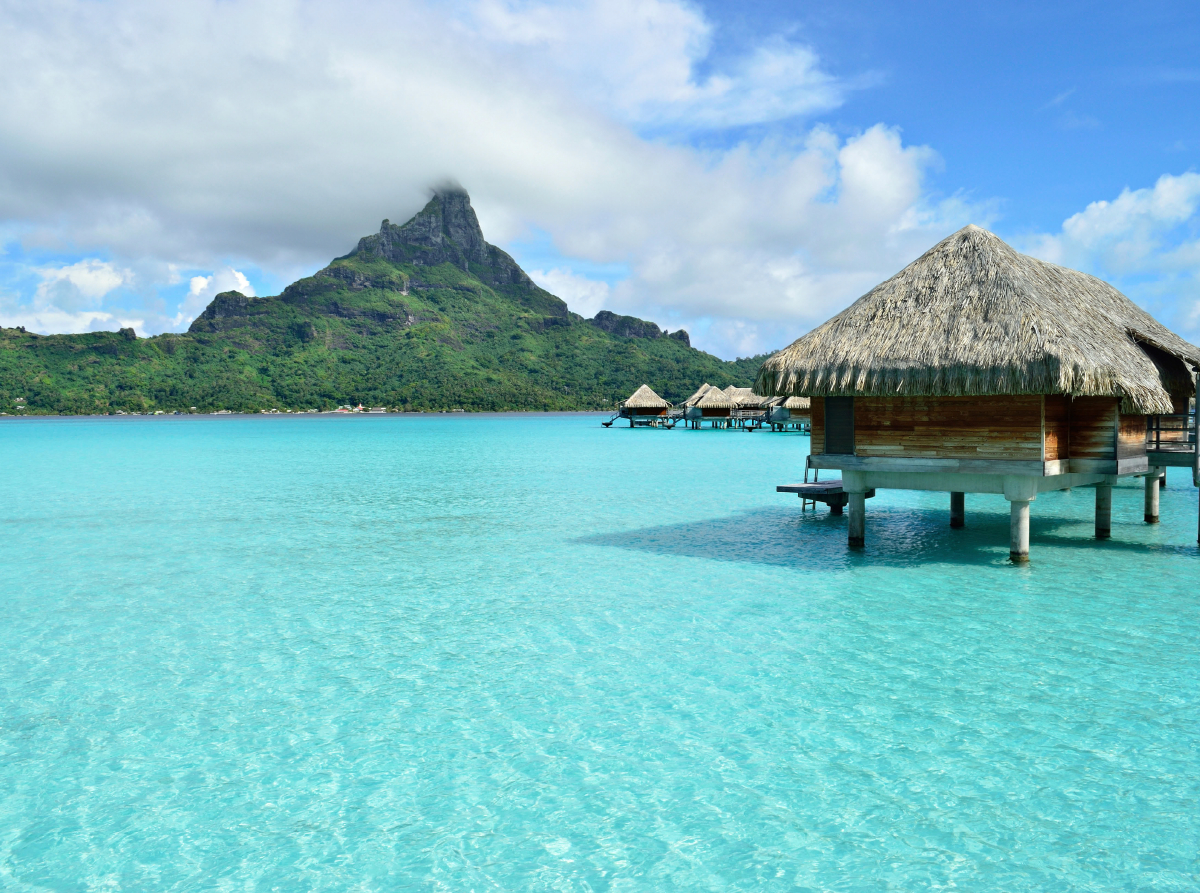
(839, 425)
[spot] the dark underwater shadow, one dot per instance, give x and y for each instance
(899, 536)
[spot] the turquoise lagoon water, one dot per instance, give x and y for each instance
(528, 653)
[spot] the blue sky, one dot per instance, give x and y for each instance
(1046, 107)
(741, 170)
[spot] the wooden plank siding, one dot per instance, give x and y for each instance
(1094, 428)
(1131, 436)
(1057, 426)
(948, 427)
(1049, 428)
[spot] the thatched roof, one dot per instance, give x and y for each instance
(974, 317)
(695, 398)
(743, 398)
(644, 398)
(797, 403)
(716, 399)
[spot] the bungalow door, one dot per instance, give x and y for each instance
(839, 426)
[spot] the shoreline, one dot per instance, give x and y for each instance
(310, 415)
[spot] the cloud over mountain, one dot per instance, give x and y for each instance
(179, 140)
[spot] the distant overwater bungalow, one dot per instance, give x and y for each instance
(691, 401)
(715, 408)
(732, 407)
(977, 369)
(644, 407)
(785, 413)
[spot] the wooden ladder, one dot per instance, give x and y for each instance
(804, 503)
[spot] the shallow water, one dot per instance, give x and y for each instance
(528, 653)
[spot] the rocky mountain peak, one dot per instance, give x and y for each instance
(447, 222)
(632, 327)
(446, 230)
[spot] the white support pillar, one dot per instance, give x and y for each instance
(1018, 531)
(858, 520)
(1196, 439)
(1151, 512)
(958, 510)
(1019, 491)
(1103, 510)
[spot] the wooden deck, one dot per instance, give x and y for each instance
(829, 492)
(1171, 440)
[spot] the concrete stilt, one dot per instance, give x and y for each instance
(1019, 490)
(958, 511)
(858, 519)
(1103, 511)
(1162, 479)
(1018, 530)
(1151, 513)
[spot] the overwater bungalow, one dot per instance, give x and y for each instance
(744, 398)
(695, 398)
(691, 412)
(977, 369)
(788, 412)
(714, 407)
(644, 407)
(749, 408)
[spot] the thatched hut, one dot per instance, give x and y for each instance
(787, 412)
(977, 369)
(644, 407)
(744, 398)
(700, 392)
(714, 407)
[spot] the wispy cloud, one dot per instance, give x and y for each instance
(1173, 75)
(1074, 121)
(1059, 99)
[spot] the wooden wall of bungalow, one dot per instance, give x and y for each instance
(645, 412)
(1089, 431)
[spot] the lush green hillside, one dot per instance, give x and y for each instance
(422, 316)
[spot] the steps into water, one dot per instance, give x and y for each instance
(829, 492)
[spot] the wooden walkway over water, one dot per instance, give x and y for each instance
(738, 419)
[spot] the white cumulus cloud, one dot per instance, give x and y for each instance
(70, 299)
(269, 135)
(639, 59)
(204, 288)
(1145, 241)
(585, 296)
(78, 285)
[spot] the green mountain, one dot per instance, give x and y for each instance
(422, 316)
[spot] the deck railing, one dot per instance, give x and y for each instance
(1171, 433)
